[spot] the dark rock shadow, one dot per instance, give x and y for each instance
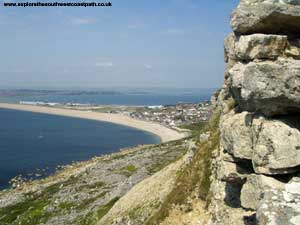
(233, 193)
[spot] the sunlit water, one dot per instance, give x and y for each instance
(32, 141)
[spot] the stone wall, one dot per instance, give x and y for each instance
(256, 170)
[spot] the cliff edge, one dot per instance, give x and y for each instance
(255, 172)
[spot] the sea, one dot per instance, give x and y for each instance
(135, 97)
(34, 145)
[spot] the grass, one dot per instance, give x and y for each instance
(195, 177)
(86, 202)
(130, 168)
(94, 185)
(93, 217)
(127, 171)
(195, 128)
(32, 209)
(162, 162)
(66, 205)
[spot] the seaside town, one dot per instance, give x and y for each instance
(168, 115)
(175, 115)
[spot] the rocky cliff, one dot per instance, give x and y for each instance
(255, 172)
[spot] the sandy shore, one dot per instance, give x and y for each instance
(164, 133)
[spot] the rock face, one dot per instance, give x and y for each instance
(253, 190)
(238, 141)
(260, 46)
(272, 88)
(267, 16)
(281, 206)
(276, 145)
(255, 173)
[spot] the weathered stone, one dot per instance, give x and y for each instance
(225, 206)
(267, 16)
(272, 88)
(293, 49)
(260, 46)
(253, 189)
(231, 172)
(204, 136)
(229, 47)
(276, 147)
(236, 134)
(280, 207)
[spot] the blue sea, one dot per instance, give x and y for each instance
(32, 143)
(35, 144)
(120, 97)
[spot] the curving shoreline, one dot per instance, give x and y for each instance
(166, 134)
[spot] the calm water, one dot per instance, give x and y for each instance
(152, 97)
(31, 141)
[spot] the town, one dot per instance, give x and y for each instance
(173, 115)
(168, 115)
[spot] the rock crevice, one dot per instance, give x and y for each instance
(256, 173)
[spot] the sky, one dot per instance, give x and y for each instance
(134, 43)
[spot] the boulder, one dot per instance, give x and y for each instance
(253, 190)
(280, 206)
(276, 145)
(260, 46)
(293, 49)
(229, 47)
(267, 16)
(231, 172)
(236, 135)
(224, 206)
(271, 88)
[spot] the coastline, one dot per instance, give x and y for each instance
(165, 134)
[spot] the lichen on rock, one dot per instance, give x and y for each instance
(254, 179)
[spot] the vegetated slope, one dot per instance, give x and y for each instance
(84, 192)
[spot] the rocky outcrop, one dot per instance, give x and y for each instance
(281, 206)
(253, 190)
(254, 174)
(238, 141)
(272, 88)
(267, 16)
(276, 145)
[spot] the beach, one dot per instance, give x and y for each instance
(166, 134)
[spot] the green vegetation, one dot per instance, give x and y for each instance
(85, 203)
(95, 185)
(195, 128)
(93, 217)
(33, 209)
(195, 177)
(66, 205)
(127, 171)
(130, 168)
(163, 162)
(231, 103)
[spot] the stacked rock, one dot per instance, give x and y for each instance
(256, 171)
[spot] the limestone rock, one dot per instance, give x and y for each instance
(293, 49)
(267, 16)
(231, 172)
(204, 136)
(225, 206)
(253, 189)
(236, 135)
(281, 206)
(272, 88)
(247, 48)
(260, 46)
(276, 145)
(229, 47)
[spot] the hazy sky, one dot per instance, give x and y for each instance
(134, 43)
